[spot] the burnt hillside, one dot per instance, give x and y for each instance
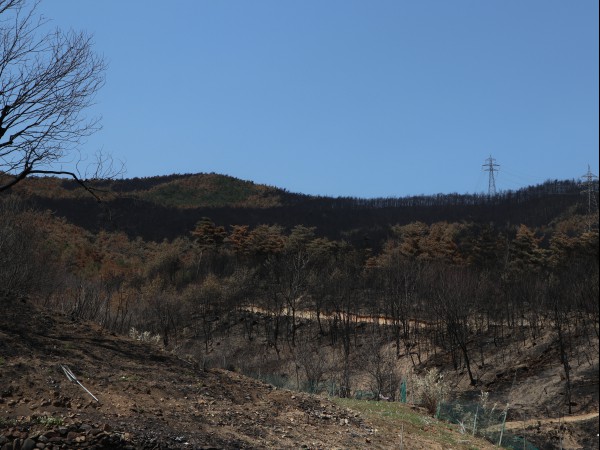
(129, 207)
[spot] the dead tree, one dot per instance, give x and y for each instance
(47, 80)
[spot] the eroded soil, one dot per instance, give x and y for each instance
(151, 399)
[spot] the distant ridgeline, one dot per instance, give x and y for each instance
(165, 207)
(556, 187)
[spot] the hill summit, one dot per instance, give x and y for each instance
(165, 207)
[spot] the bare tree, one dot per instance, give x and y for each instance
(47, 80)
(454, 292)
(380, 363)
(310, 357)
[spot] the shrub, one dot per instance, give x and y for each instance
(431, 390)
(144, 336)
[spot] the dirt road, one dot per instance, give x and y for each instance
(520, 424)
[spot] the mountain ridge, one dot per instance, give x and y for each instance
(165, 207)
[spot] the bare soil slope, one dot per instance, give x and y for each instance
(152, 399)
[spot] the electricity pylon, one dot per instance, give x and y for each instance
(589, 182)
(490, 166)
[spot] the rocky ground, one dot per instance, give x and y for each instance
(523, 374)
(150, 399)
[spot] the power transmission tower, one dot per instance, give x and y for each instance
(590, 190)
(490, 166)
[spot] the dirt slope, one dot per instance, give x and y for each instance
(151, 399)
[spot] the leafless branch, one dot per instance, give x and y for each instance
(47, 81)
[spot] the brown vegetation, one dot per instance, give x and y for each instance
(494, 308)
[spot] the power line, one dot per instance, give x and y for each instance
(490, 166)
(589, 182)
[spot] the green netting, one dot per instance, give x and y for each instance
(485, 422)
(511, 441)
(364, 395)
(403, 391)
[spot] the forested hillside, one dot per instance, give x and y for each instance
(166, 207)
(331, 295)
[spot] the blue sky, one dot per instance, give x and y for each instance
(342, 97)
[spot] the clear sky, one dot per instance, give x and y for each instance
(343, 97)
